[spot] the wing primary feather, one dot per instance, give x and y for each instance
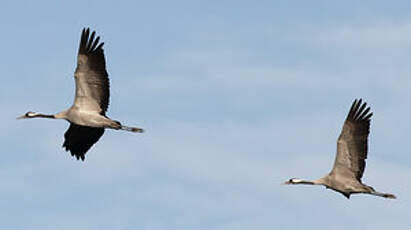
(82, 41)
(100, 46)
(90, 41)
(362, 116)
(368, 116)
(357, 105)
(359, 111)
(95, 44)
(352, 110)
(86, 35)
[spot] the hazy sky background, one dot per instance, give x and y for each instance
(235, 96)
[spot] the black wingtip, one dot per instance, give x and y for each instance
(79, 139)
(359, 111)
(76, 155)
(89, 43)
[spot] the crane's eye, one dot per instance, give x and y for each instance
(30, 114)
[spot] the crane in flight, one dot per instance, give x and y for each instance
(349, 165)
(87, 115)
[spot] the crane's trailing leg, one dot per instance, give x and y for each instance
(385, 195)
(132, 129)
(118, 125)
(371, 190)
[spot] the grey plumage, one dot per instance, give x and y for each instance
(349, 165)
(87, 115)
(92, 83)
(352, 144)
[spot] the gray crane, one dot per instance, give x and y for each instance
(87, 115)
(345, 176)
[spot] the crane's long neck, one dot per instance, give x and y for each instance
(52, 116)
(60, 115)
(300, 181)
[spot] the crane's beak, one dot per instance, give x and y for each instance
(21, 117)
(285, 183)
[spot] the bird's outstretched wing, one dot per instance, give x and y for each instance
(79, 139)
(352, 143)
(92, 83)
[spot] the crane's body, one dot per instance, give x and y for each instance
(87, 118)
(87, 115)
(349, 164)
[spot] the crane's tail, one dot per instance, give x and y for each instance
(385, 195)
(131, 129)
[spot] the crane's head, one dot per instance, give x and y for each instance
(28, 115)
(293, 181)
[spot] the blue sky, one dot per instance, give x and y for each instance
(235, 96)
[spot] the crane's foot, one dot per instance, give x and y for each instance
(391, 196)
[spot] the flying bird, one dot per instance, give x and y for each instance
(87, 115)
(345, 176)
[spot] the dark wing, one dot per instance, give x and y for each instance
(92, 84)
(79, 139)
(352, 145)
